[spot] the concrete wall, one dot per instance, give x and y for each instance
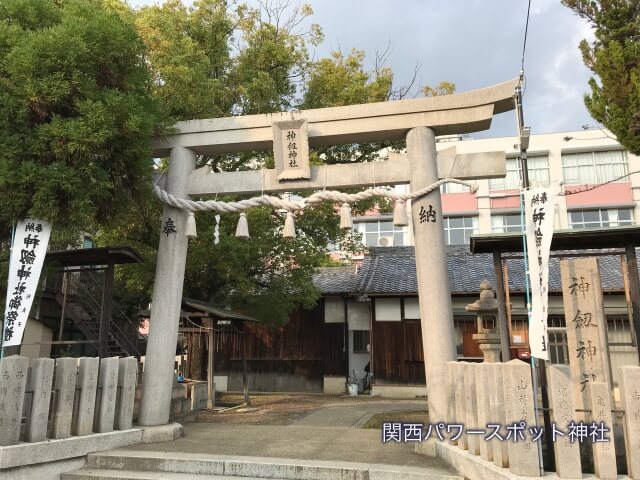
(358, 315)
(35, 332)
(399, 391)
(333, 385)
(274, 382)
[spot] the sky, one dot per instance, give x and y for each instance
(474, 44)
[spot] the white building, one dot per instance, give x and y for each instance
(576, 160)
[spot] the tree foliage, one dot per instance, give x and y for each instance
(76, 112)
(216, 59)
(614, 57)
(86, 82)
(443, 88)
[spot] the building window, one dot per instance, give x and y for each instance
(558, 344)
(600, 218)
(360, 341)
(506, 222)
(381, 233)
(454, 188)
(458, 230)
(590, 168)
(538, 168)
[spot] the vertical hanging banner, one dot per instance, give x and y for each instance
(27, 257)
(539, 207)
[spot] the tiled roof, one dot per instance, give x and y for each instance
(392, 271)
(336, 280)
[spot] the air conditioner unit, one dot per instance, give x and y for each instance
(385, 241)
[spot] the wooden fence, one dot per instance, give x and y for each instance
(44, 399)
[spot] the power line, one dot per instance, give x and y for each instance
(526, 30)
(593, 187)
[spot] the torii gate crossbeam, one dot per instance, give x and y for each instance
(417, 120)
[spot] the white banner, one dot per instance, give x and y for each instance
(27, 256)
(539, 207)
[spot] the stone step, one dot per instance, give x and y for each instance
(98, 474)
(203, 466)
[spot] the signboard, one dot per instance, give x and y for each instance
(539, 205)
(27, 257)
(291, 150)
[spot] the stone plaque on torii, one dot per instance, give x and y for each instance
(416, 120)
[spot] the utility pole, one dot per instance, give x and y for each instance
(537, 365)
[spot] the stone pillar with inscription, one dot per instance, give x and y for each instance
(630, 397)
(106, 399)
(451, 395)
(155, 401)
(66, 373)
(436, 315)
(13, 382)
(586, 324)
(471, 408)
(39, 385)
(497, 413)
(87, 385)
(127, 373)
(567, 453)
(604, 450)
(521, 417)
(460, 403)
(483, 386)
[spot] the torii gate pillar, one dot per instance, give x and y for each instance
(431, 270)
(155, 403)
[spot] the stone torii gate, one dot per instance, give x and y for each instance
(417, 120)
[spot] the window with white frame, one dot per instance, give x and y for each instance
(381, 233)
(537, 166)
(458, 230)
(506, 222)
(600, 218)
(590, 168)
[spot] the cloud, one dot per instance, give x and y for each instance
(473, 43)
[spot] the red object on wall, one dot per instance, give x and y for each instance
(507, 199)
(609, 194)
(456, 203)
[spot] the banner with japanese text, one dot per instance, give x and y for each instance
(27, 257)
(539, 207)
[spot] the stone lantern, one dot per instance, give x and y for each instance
(488, 337)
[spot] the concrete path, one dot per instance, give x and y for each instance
(331, 433)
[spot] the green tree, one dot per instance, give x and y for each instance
(614, 57)
(214, 59)
(443, 88)
(76, 112)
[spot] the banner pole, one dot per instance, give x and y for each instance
(11, 240)
(537, 365)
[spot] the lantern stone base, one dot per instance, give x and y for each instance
(490, 346)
